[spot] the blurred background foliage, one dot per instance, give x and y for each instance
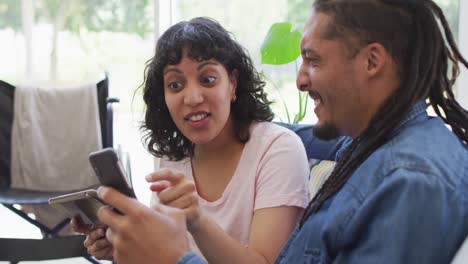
(86, 37)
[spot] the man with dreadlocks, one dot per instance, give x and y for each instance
(398, 193)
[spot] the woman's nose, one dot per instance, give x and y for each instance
(193, 96)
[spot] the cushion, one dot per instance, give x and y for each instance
(462, 254)
(319, 173)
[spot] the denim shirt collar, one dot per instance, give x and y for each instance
(418, 109)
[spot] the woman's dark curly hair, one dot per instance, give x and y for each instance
(201, 39)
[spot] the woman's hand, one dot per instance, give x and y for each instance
(96, 243)
(175, 190)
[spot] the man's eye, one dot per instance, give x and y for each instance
(311, 61)
(208, 79)
(174, 85)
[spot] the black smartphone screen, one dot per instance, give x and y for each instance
(110, 172)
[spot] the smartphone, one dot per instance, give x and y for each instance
(110, 172)
(82, 204)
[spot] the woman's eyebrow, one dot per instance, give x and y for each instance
(171, 70)
(205, 63)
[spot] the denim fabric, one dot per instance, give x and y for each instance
(407, 203)
(191, 258)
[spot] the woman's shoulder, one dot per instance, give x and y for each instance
(270, 130)
(268, 133)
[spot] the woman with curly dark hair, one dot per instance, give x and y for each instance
(236, 175)
(200, 40)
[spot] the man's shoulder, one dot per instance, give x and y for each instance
(425, 149)
(427, 146)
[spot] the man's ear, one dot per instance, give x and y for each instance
(376, 58)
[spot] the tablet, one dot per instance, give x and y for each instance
(83, 204)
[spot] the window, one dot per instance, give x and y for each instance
(69, 41)
(64, 43)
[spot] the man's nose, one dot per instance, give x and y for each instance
(302, 80)
(193, 96)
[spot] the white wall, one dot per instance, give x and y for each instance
(462, 83)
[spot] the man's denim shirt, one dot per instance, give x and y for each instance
(407, 203)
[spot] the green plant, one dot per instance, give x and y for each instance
(281, 46)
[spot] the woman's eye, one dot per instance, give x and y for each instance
(208, 79)
(174, 85)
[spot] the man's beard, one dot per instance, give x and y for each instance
(327, 131)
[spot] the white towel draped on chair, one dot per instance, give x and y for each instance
(54, 130)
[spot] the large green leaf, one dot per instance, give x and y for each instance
(281, 46)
